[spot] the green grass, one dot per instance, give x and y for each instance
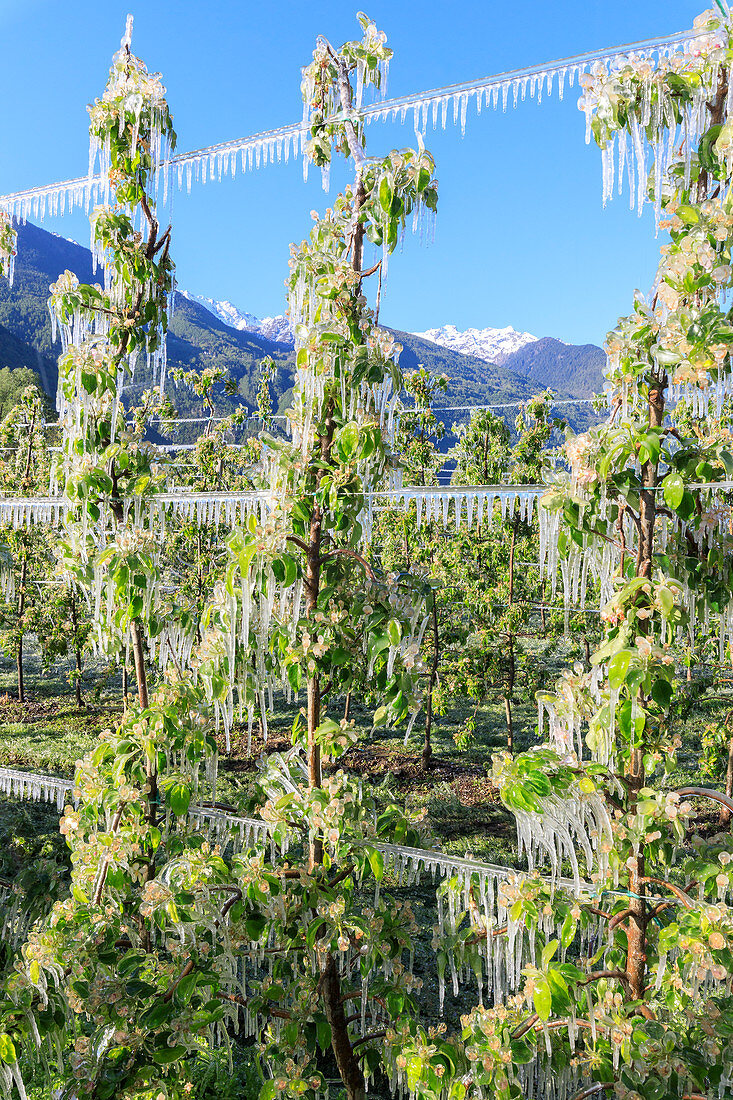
(52, 741)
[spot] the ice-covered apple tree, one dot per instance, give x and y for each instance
(26, 555)
(644, 1008)
(303, 607)
(90, 1000)
(165, 938)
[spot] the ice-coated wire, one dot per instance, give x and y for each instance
(217, 161)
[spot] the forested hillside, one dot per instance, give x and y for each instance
(197, 338)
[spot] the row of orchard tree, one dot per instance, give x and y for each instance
(478, 654)
(616, 980)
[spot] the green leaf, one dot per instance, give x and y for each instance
(686, 507)
(662, 693)
(567, 932)
(323, 1033)
(255, 926)
(7, 1049)
(185, 988)
(178, 797)
(688, 214)
(245, 558)
(673, 488)
(376, 862)
(559, 991)
(339, 656)
(423, 179)
(348, 441)
(158, 1014)
(385, 194)
(542, 998)
(618, 666)
(522, 1052)
(167, 1055)
(549, 951)
(539, 783)
(379, 715)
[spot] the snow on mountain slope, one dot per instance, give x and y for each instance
(491, 344)
(278, 329)
(273, 328)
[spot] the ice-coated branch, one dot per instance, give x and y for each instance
(593, 1090)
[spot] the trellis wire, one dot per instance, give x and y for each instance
(256, 150)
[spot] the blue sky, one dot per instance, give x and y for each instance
(521, 238)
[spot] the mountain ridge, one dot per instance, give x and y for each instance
(572, 369)
(199, 337)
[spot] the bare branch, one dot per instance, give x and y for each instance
(678, 893)
(341, 551)
(706, 792)
(368, 1038)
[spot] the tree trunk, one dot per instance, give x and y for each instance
(312, 584)
(509, 724)
(77, 681)
(725, 814)
(347, 1062)
(21, 610)
(151, 766)
(347, 706)
(512, 669)
(19, 662)
(427, 752)
(77, 652)
(636, 925)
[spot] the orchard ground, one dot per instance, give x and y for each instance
(462, 807)
(460, 803)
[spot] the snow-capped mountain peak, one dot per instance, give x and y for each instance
(225, 311)
(492, 345)
(273, 328)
